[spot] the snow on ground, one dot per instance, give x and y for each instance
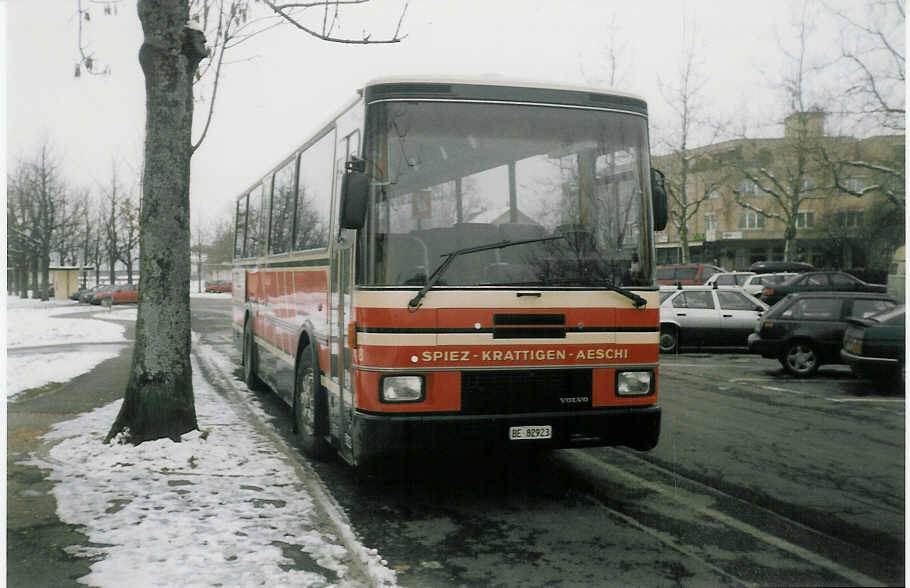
(35, 370)
(31, 323)
(221, 508)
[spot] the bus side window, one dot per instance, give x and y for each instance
(283, 199)
(265, 216)
(240, 227)
(314, 195)
(253, 221)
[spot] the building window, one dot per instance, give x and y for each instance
(748, 188)
(808, 184)
(751, 220)
(854, 184)
(805, 219)
(710, 221)
(849, 218)
(714, 194)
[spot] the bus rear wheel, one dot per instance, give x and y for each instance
(309, 409)
(250, 377)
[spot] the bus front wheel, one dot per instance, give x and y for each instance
(309, 409)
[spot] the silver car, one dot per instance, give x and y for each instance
(756, 283)
(707, 316)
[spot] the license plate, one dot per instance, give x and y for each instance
(530, 432)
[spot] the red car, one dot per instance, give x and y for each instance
(121, 294)
(689, 274)
(218, 286)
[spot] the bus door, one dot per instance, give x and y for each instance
(341, 406)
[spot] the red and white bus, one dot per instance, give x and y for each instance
(458, 265)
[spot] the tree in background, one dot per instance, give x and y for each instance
(20, 247)
(67, 239)
(199, 250)
(111, 224)
(128, 217)
(685, 97)
(221, 248)
(873, 60)
(790, 180)
(41, 213)
(89, 241)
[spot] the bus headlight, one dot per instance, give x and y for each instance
(402, 389)
(634, 383)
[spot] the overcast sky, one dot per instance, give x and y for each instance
(283, 85)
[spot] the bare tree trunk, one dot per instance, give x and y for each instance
(23, 278)
(159, 397)
(45, 276)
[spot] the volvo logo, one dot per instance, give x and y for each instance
(575, 400)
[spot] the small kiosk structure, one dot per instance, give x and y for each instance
(66, 280)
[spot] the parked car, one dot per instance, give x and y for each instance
(689, 274)
(729, 278)
(775, 267)
(755, 283)
(218, 286)
(90, 295)
(829, 281)
(79, 293)
(875, 346)
(119, 294)
(707, 316)
(806, 330)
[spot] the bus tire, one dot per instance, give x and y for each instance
(310, 411)
(250, 377)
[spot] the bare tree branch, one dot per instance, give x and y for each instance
(326, 33)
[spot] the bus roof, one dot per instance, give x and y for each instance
(500, 90)
(497, 80)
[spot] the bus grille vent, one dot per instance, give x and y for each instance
(529, 326)
(519, 391)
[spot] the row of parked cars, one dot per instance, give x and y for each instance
(800, 317)
(110, 293)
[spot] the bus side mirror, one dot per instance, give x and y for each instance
(658, 199)
(355, 190)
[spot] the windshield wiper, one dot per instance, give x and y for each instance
(638, 300)
(450, 257)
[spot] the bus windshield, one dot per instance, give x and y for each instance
(449, 176)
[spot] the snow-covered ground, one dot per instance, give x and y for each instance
(31, 323)
(227, 506)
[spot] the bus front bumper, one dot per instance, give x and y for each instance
(379, 434)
